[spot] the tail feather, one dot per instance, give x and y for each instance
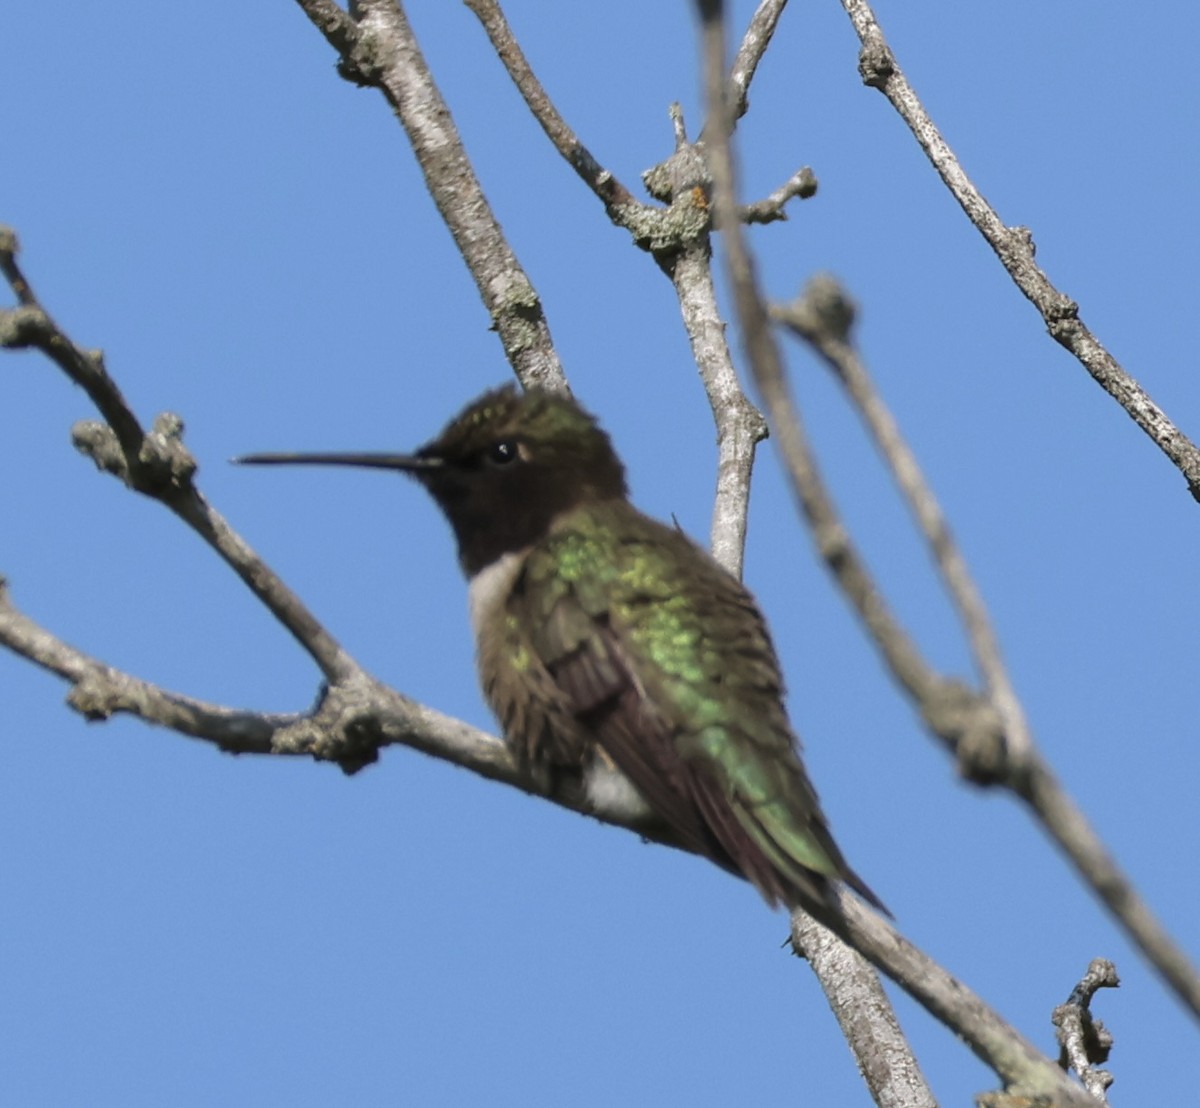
(747, 846)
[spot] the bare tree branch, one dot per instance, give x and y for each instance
(601, 181)
(754, 45)
(801, 184)
(1084, 1040)
(379, 49)
(98, 691)
(740, 425)
(865, 1015)
(1014, 247)
(30, 325)
(156, 464)
(662, 232)
(823, 316)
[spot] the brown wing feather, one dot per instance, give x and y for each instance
(606, 701)
(604, 695)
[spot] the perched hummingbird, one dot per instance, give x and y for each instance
(607, 639)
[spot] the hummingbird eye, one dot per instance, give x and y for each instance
(503, 453)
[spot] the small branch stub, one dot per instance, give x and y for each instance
(1084, 1041)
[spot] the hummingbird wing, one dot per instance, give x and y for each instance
(663, 657)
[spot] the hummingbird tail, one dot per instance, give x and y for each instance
(865, 891)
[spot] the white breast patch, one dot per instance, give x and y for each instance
(491, 586)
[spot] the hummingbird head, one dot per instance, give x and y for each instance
(502, 469)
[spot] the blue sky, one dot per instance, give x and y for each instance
(248, 239)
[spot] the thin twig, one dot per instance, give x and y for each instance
(600, 180)
(802, 184)
(99, 691)
(381, 50)
(155, 463)
(1014, 247)
(823, 316)
(662, 232)
(1084, 1041)
(754, 45)
(740, 425)
(998, 748)
(34, 327)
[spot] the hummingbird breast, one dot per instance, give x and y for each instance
(536, 717)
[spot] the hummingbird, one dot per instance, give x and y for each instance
(607, 640)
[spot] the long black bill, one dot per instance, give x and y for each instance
(409, 462)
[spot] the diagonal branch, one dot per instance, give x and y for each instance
(380, 50)
(1020, 1065)
(601, 181)
(999, 749)
(1014, 247)
(864, 1013)
(662, 232)
(754, 45)
(30, 325)
(155, 463)
(823, 316)
(353, 719)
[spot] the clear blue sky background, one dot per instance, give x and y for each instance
(249, 240)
